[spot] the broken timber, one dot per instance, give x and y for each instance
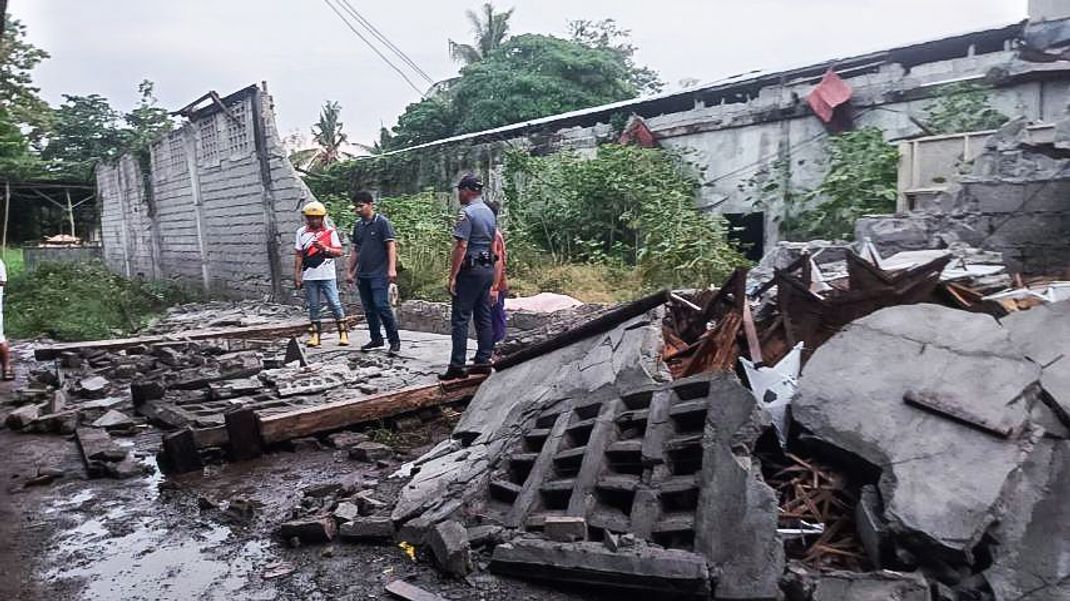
(309, 421)
(603, 323)
(268, 330)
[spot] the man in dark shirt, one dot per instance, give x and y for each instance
(373, 265)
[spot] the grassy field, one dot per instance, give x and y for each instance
(13, 261)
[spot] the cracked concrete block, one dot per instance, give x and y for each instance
(346, 512)
(320, 529)
(736, 518)
(871, 586)
(21, 417)
(1043, 335)
(851, 396)
(1031, 557)
(366, 528)
(146, 390)
(370, 452)
(565, 529)
(113, 419)
(661, 572)
(449, 543)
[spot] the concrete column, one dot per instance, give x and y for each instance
(190, 144)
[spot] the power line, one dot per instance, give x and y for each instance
(374, 49)
(346, 5)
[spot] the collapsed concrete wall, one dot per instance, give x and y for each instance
(214, 204)
(1014, 202)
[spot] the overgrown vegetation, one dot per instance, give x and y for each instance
(626, 208)
(13, 262)
(860, 179)
(83, 301)
(962, 107)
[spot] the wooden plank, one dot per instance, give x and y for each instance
(342, 414)
(598, 325)
(753, 345)
(293, 327)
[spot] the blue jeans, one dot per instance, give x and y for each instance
(318, 290)
(375, 299)
(473, 286)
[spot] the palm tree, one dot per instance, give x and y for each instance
(489, 31)
(329, 139)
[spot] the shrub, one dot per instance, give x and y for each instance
(82, 301)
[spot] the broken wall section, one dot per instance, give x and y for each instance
(215, 203)
(1014, 202)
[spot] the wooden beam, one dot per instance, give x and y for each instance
(598, 325)
(268, 330)
(309, 421)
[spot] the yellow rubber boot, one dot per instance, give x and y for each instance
(314, 334)
(343, 333)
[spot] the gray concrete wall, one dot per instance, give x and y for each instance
(216, 205)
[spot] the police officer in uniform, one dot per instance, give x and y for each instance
(471, 276)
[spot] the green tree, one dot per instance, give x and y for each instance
(530, 76)
(16, 160)
(86, 130)
(18, 96)
(860, 180)
(606, 35)
(489, 30)
(147, 121)
(329, 138)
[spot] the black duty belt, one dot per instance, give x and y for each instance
(482, 258)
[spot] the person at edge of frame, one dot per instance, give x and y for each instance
(500, 288)
(471, 277)
(315, 248)
(373, 267)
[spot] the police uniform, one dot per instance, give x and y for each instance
(476, 225)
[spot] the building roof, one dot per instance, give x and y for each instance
(740, 86)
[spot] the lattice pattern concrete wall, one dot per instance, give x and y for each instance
(215, 204)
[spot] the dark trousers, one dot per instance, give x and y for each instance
(375, 299)
(473, 286)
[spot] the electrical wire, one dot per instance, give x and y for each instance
(374, 31)
(374, 49)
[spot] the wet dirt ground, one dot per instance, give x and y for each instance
(161, 538)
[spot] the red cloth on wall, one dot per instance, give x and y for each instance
(829, 94)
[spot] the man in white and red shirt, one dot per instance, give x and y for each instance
(315, 248)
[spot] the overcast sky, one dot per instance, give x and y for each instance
(307, 55)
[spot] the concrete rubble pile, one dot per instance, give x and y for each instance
(165, 379)
(918, 449)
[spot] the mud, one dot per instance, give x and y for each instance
(164, 538)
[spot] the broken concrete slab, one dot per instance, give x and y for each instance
(851, 397)
(662, 572)
(736, 517)
(1031, 554)
(516, 395)
(871, 586)
(485, 535)
(101, 454)
(1043, 335)
(290, 381)
(113, 419)
(367, 528)
(370, 452)
(871, 528)
(146, 390)
(346, 512)
(345, 440)
(449, 544)
(409, 592)
(320, 529)
(229, 389)
(21, 417)
(93, 387)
